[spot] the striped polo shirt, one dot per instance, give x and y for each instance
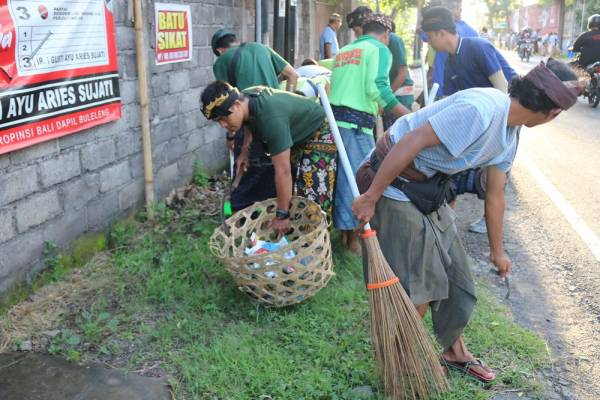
(472, 128)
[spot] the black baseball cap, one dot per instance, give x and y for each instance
(218, 35)
(437, 18)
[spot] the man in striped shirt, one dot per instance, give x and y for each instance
(475, 127)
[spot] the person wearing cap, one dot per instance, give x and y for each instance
(472, 62)
(439, 62)
(243, 65)
(256, 63)
(328, 43)
(400, 80)
(405, 187)
(287, 124)
(360, 86)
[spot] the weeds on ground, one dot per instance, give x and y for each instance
(171, 304)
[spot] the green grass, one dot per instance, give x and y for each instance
(171, 301)
(59, 263)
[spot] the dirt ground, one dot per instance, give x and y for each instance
(554, 289)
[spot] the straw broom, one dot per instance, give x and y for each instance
(407, 360)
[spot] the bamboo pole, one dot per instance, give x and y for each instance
(144, 111)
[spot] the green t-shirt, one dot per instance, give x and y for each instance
(398, 50)
(327, 63)
(281, 119)
(257, 65)
(360, 78)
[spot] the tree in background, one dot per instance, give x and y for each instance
(500, 11)
(404, 15)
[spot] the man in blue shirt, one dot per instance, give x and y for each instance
(464, 30)
(328, 43)
(471, 62)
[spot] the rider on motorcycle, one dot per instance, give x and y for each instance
(588, 43)
(525, 44)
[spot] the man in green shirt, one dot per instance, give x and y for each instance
(360, 87)
(244, 65)
(400, 80)
(256, 63)
(284, 122)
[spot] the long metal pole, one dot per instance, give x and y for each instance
(343, 156)
(144, 110)
(582, 15)
(258, 22)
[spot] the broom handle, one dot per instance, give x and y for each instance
(340, 145)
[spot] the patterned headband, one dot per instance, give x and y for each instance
(381, 19)
(219, 107)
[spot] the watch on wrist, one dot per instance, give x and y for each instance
(230, 137)
(280, 213)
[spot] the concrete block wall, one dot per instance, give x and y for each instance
(57, 190)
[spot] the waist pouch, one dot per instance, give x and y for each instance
(427, 194)
(352, 116)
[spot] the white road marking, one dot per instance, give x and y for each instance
(587, 235)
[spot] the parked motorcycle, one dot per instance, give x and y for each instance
(525, 49)
(592, 89)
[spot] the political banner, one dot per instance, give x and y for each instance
(173, 24)
(58, 69)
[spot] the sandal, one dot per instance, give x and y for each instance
(466, 368)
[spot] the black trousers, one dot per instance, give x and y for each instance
(258, 182)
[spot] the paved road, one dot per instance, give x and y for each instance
(556, 278)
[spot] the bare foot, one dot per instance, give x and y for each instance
(354, 243)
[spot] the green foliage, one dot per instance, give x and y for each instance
(59, 263)
(500, 10)
(122, 232)
(591, 7)
(172, 301)
(216, 343)
(200, 177)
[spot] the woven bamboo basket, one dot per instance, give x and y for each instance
(284, 277)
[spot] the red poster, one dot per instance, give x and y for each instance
(58, 69)
(173, 33)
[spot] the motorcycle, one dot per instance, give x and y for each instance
(592, 88)
(525, 49)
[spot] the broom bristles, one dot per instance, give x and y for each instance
(408, 362)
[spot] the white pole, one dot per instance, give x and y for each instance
(424, 77)
(343, 156)
(231, 164)
(434, 89)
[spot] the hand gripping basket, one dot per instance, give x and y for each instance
(284, 277)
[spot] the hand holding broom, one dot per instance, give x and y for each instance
(406, 357)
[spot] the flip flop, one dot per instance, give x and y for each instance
(465, 367)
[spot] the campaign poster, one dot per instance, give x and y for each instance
(173, 33)
(58, 69)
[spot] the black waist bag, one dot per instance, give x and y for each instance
(427, 195)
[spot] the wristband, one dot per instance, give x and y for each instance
(232, 137)
(282, 214)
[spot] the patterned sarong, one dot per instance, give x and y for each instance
(316, 168)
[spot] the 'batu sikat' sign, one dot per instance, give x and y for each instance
(58, 69)
(173, 33)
